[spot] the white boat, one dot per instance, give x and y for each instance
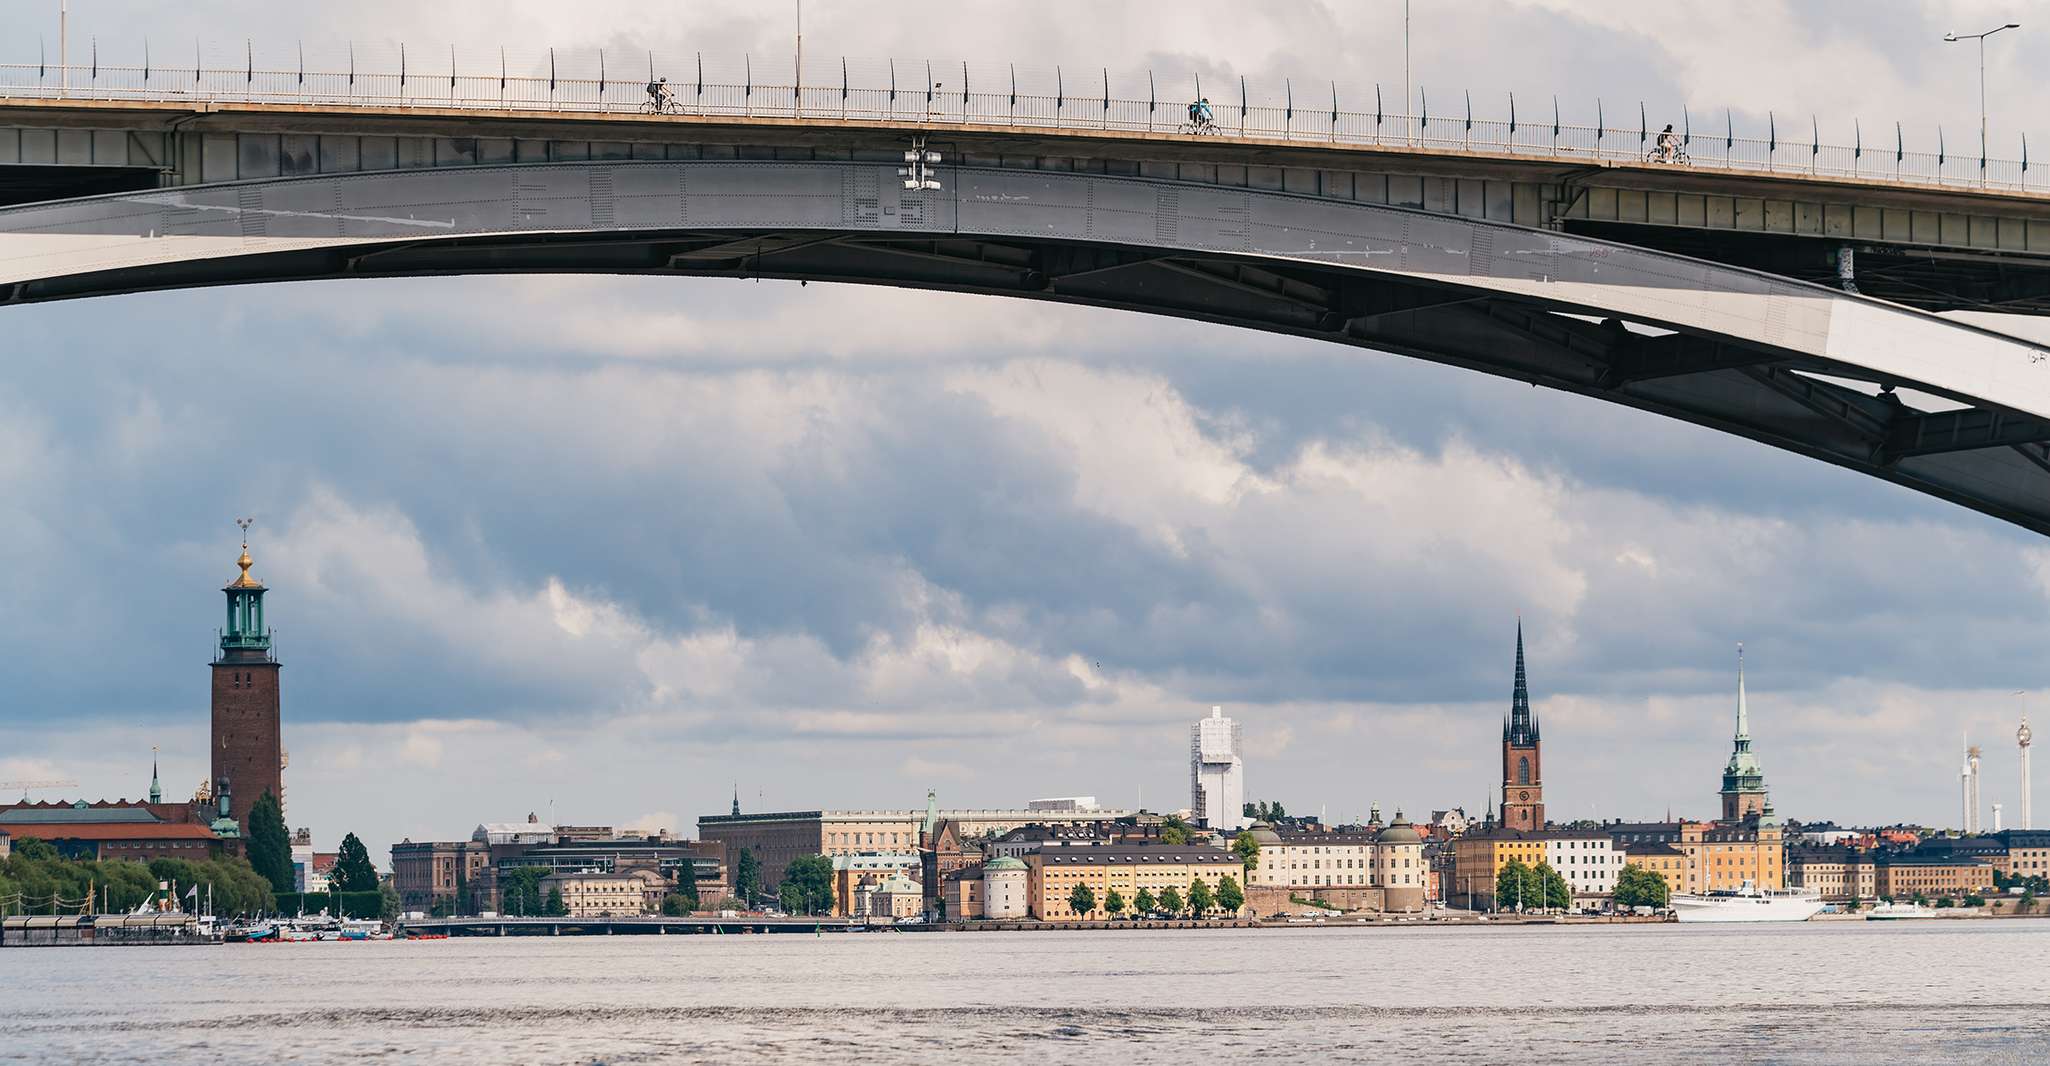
(1747, 904)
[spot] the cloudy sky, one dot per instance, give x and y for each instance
(608, 547)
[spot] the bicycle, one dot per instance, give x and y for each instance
(1206, 127)
(661, 105)
(1675, 156)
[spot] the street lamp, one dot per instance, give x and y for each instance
(1953, 38)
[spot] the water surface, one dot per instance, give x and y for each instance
(1845, 992)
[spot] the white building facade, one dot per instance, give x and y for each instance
(1006, 888)
(1588, 862)
(1217, 774)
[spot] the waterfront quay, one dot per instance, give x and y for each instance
(650, 925)
(622, 925)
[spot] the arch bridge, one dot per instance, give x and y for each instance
(1691, 292)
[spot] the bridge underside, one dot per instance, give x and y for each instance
(1924, 276)
(1794, 391)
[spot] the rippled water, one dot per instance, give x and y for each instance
(1837, 992)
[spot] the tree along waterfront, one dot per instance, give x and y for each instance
(35, 879)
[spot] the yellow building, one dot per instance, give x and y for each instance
(1053, 873)
(1664, 860)
(1478, 859)
(1722, 856)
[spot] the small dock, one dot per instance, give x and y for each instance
(101, 930)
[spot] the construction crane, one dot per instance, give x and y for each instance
(25, 786)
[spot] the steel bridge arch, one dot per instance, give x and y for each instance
(1764, 357)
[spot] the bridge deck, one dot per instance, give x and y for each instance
(1937, 246)
(830, 130)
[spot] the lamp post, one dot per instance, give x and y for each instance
(1408, 90)
(1953, 38)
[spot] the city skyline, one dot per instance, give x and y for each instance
(631, 539)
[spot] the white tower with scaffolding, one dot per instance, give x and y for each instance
(1968, 782)
(1217, 775)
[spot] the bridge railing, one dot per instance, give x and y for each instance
(914, 101)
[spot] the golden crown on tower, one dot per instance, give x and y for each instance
(245, 581)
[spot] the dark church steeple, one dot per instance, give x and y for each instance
(1520, 728)
(1523, 793)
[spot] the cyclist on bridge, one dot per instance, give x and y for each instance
(1668, 145)
(1199, 112)
(659, 97)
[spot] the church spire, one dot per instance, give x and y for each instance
(156, 788)
(1743, 790)
(1521, 729)
(1743, 712)
(736, 799)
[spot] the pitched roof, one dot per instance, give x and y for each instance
(70, 815)
(109, 831)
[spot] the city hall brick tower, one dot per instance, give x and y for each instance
(1523, 792)
(248, 752)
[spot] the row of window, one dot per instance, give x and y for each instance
(1348, 864)
(859, 839)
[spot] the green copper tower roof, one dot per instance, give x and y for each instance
(1742, 774)
(245, 638)
(225, 827)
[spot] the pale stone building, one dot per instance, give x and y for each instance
(775, 838)
(608, 895)
(1365, 869)
(1006, 884)
(896, 896)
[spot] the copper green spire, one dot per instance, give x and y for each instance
(1742, 762)
(156, 790)
(1743, 788)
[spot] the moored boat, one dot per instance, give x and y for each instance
(1747, 903)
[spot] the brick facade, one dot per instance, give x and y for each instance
(248, 751)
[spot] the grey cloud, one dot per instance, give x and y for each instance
(689, 458)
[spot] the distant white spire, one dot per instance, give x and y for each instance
(1743, 710)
